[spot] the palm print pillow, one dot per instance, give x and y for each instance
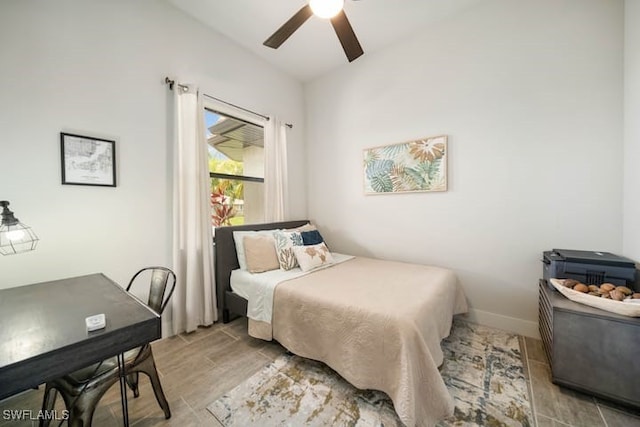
(285, 241)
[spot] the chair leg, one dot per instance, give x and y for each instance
(148, 366)
(82, 405)
(132, 381)
(81, 419)
(157, 390)
(48, 403)
(80, 410)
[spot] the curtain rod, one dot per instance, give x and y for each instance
(171, 83)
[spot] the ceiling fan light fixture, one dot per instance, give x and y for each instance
(326, 8)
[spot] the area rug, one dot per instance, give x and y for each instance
(482, 370)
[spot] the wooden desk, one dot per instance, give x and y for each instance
(43, 333)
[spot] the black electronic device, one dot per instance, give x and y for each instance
(589, 267)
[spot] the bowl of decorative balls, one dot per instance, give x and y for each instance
(606, 296)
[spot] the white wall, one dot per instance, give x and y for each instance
(97, 68)
(530, 94)
(632, 129)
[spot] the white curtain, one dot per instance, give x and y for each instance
(275, 170)
(194, 300)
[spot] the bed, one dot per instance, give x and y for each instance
(377, 323)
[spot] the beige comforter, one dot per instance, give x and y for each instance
(379, 325)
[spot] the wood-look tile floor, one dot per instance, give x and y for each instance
(558, 406)
(197, 368)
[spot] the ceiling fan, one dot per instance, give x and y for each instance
(328, 9)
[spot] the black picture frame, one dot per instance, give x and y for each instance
(87, 160)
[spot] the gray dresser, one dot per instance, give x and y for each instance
(590, 350)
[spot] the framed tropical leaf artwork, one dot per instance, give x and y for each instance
(412, 166)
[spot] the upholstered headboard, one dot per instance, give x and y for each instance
(226, 260)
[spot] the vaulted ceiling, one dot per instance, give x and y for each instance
(314, 48)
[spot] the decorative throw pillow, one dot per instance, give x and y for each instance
(238, 238)
(312, 256)
(285, 241)
(260, 253)
(311, 237)
(306, 227)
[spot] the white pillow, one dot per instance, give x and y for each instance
(238, 237)
(312, 256)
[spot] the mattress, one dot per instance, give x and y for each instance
(258, 288)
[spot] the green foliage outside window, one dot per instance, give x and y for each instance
(225, 193)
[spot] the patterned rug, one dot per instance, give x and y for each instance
(482, 370)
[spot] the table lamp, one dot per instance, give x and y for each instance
(15, 237)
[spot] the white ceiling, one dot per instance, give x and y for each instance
(314, 48)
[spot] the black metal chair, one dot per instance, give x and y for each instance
(83, 389)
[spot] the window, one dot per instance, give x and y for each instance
(236, 168)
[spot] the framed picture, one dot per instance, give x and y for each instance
(87, 160)
(413, 166)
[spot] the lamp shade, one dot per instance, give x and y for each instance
(15, 237)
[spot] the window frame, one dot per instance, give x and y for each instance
(223, 109)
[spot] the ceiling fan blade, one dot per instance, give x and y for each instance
(289, 27)
(347, 37)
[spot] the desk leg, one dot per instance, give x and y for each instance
(123, 390)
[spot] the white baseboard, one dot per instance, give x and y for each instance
(498, 321)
